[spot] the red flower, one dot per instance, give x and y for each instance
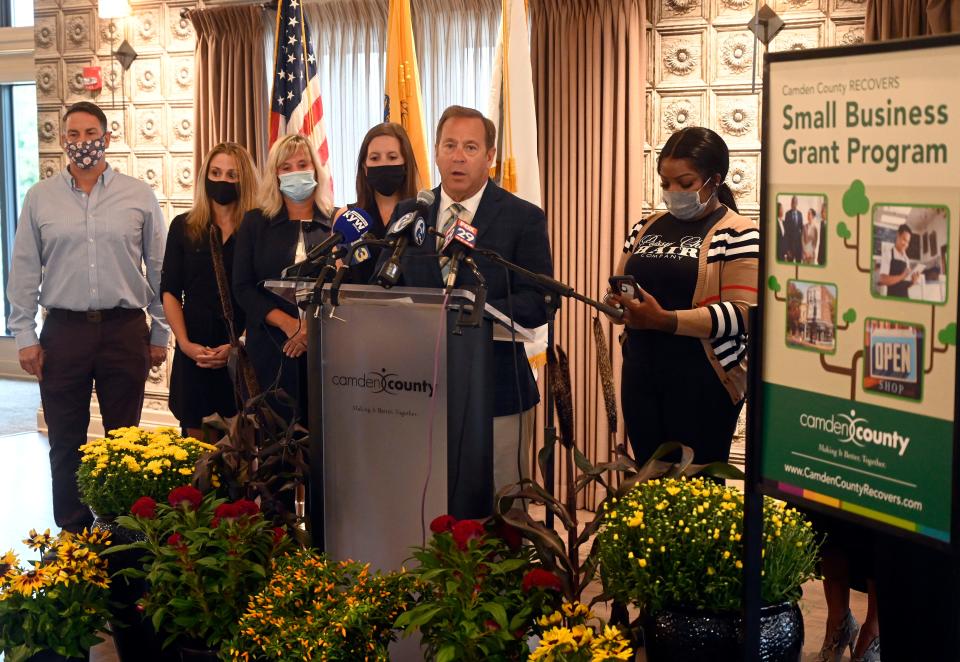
(246, 507)
(176, 540)
(144, 507)
(540, 578)
(185, 494)
(278, 534)
(491, 625)
(443, 523)
(224, 511)
(509, 534)
(465, 531)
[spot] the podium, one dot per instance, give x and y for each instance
(387, 453)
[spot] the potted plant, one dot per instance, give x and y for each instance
(479, 592)
(114, 472)
(130, 463)
(317, 608)
(203, 559)
(59, 604)
(672, 548)
(573, 634)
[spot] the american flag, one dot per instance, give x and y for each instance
(295, 104)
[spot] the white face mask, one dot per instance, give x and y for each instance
(686, 205)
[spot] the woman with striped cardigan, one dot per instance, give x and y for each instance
(685, 352)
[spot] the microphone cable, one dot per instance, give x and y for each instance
(516, 374)
(431, 415)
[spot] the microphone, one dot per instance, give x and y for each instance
(411, 225)
(461, 237)
(350, 226)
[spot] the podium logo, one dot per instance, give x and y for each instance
(390, 383)
(851, 429)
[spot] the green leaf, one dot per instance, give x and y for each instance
(722, 470)
(773, 283)
(157, 618)
(498, 612)
(843, 231)
(855, 201)
(447, 654)
(948, 334)
(850, 316)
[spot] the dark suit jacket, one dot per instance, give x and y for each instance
(265, 246)
(793, 234)
(517, 230)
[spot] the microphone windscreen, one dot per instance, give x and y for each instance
(425, 198)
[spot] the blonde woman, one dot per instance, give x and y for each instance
(292, 216)
(225, 191)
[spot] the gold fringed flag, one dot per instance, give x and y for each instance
(512, 109)
(403, 102)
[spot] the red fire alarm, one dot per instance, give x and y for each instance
(92, 78)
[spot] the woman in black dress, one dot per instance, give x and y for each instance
(386, 174)
(292, 216)
(199, 382)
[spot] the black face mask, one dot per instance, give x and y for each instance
(386, 180)
(222, 192)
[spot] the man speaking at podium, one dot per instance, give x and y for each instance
(508, 225)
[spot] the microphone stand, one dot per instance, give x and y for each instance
(555, 289)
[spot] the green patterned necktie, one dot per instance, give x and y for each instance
(453, 212)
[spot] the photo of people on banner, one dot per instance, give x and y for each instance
(910, 252)
(812, 316)
(802, 228)
(894, 353)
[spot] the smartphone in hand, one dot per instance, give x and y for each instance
(625, 286)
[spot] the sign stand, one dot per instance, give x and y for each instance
(854, 400)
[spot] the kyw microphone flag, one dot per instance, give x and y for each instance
(295, 102)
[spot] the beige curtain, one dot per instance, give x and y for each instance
(898, 19)
(589, 76)
(231, 92)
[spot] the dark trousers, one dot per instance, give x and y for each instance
(918, 603)
(109, 349)
(677, 396)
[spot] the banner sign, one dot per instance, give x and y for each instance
(855, 388)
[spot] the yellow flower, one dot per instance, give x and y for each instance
(711, 571)
(642, 563)
(38, 540)
(28, 582)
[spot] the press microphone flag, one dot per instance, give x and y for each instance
(350, 226)
(460, 238)
(410, 226)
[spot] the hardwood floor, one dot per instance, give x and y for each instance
(25, 493)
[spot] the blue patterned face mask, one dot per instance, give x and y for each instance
(86, 153)
(686, 205)
(299, 185)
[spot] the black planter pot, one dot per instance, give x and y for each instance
(50, 656)
(189, 654)
(696, 636)
(133, 635)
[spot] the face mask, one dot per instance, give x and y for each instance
(386, 180)
(686, 205)
(222, 192)
(298, 186)
(86, 153)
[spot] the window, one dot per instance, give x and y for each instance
(19, 160)
(21, 12)
(19, 167)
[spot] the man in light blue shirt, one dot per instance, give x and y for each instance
(89, 248)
